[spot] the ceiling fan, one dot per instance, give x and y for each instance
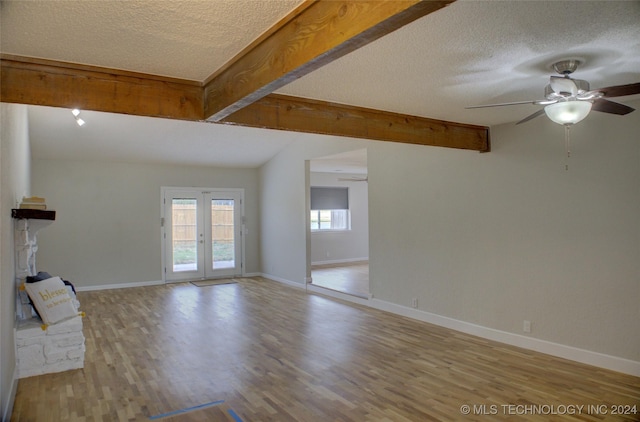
(567, 101)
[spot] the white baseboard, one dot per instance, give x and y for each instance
(319, 290)
(118, 286)
(555, 349)
(340, 261)
(337, 295)
(11, 397)
(252, 275)
(284, 281)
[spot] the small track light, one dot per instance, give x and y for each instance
(76, 114)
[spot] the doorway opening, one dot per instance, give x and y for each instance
(202, 233)
(339, 223)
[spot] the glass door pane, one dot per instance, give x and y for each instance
(183, 235)
(184, 226)
(222, 233)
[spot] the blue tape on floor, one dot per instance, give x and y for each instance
(188, 409)
(234, 415)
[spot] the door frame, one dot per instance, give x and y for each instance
(163, 226)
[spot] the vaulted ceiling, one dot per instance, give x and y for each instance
(391, 70)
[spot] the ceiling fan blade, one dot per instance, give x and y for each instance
(532, 116)
(607, 106)
(502, 104)
(562, 85)
(621, 90)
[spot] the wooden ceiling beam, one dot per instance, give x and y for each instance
(312, 35)
(58, 84)
(321, 117)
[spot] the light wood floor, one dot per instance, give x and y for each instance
(274, 353)
(350, 278)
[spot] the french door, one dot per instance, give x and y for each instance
(202, 231)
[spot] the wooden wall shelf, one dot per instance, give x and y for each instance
(24, 213)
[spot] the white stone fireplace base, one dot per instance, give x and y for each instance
(39, 349)
(60, 347)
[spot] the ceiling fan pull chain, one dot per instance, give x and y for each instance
(567, 144)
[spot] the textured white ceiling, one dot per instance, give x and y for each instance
(471, 52)
(479, 52)
(187, 39)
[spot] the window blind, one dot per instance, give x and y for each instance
(329, 198)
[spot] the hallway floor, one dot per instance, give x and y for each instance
(350, 278)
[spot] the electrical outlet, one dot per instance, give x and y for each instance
(526, 326)
(414, 302)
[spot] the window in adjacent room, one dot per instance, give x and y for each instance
(329, 208)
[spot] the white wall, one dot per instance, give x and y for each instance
(282, 218)
(495, 239)
(492, 239)
(15, 181)
(283, 184)
(343, 246)
(107, 228)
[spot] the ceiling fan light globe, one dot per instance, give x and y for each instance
(568, 112)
